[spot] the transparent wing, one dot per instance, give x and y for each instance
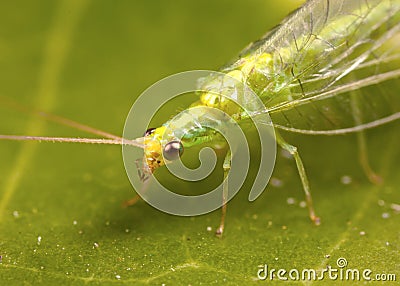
(338, 64)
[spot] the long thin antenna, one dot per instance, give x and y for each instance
(58, 119)
(120, 141)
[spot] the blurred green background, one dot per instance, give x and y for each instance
(61, 219)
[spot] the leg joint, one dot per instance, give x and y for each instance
(292, 149)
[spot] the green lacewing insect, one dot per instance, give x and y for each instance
(329, 68)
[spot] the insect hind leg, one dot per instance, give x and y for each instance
(364, 161)
(361, 140)
(302, 172)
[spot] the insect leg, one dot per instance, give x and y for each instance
(143, 176)
(137, 197)
(131, 201)
(363, 157)
(227, 167)
(302, 172)
(361, 140)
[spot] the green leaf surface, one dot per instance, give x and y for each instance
(61, 220)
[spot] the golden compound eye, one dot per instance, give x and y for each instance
(149, 131)
(173, 150)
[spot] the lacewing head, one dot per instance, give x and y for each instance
(157, 151)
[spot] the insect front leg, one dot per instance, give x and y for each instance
(131, 201)
(144, 174)
(302, 172)
(227, 167)
(137, 197)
